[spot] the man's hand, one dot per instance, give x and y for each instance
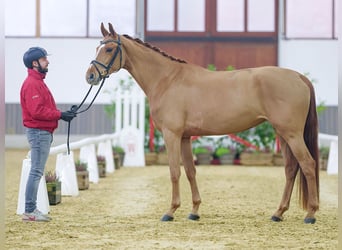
(67, 116)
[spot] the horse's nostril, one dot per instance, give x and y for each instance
(91, 76)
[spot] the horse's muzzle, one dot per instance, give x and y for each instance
(92, 78)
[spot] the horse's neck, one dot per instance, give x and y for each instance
(147, 67)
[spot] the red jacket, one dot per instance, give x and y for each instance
(37, 103)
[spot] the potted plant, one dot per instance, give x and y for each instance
(224, 155)
(203, 155)
(101, 165)
(323, 157)
(119, 156)
(223, 151)
(53, 186)
(82, 175)
(263, 136)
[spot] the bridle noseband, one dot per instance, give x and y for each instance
(110, 64)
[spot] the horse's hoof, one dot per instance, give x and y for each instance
(276, 219)
(193, 217)
(167, 218)
(309, 220)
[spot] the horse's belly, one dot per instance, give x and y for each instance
(220, 124)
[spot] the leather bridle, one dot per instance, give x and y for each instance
(110, 64)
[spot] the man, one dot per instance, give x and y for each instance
(40, 117)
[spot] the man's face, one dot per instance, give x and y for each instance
(41, 65)
(44, 63)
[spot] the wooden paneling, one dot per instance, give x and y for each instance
(192, 52)
(244, 55)
(222, 54)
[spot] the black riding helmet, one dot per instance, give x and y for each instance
(33, 54)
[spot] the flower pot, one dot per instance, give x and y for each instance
(323, 163)
(116, 158)
(203, 158)
(119, 159)
(102, 168)
(82, 179)
(54, 192)
(226, 159)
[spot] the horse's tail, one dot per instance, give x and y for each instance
(311, 141)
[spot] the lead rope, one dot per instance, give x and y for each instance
(75, 108)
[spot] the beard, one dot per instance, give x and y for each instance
(41, 70)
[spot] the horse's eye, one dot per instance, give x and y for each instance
(109, 50)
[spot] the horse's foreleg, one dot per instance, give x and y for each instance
(172, 143)
(291, 169)
(190, 171)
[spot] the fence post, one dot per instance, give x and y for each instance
(42, 195)
(88, 155)
(105, 149)
(66, 171)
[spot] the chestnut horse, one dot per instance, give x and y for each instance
(188, 100)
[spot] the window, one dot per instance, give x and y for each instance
(119, 13)
(20, 21)
(175, 16)
(230, 16)
(246, 17)
(261, 16)
(191, 15)
(310, 19)
(65, 18)
(160, 15)
(201, 18)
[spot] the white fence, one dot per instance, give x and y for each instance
(330, 141)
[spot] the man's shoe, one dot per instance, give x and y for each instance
(36, 215)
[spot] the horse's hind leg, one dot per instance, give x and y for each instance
(291, 169)
(308, 179)
(190, 171)
(309, 184)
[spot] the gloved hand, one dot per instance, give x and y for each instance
(68, 116)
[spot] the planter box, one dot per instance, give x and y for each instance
(82, 180)
(54, 192)
(278, 159)
(162, 159)
(203, 158)
(102, 169)
(256, 159)
(227, 159)
(151, 158)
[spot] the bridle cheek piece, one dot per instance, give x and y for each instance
(110, 64)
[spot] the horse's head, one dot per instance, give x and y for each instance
(108, 57)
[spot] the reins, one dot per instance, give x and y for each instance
(75, 108)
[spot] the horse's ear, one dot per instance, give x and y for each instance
(111, 29)
(104, 31)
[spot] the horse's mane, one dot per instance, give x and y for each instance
(155, 49)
